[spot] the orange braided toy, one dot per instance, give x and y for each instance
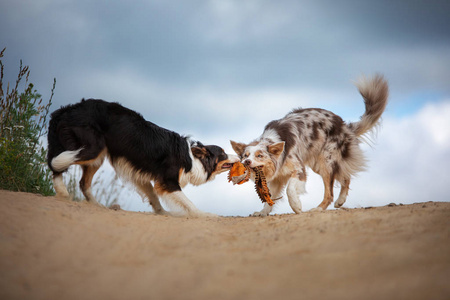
(240, 174)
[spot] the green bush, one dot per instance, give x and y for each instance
(23, 124)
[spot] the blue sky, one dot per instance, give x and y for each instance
(221, 70)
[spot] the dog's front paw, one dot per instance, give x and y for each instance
(339, 203)
(259, 214)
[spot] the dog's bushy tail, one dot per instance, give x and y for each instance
(375, 91)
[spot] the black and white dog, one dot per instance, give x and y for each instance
(140, 151)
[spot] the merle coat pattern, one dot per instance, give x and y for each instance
(318, 139)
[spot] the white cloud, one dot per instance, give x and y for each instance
(436, 119)
(410, 160)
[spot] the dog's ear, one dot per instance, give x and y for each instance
(239, 148)
(199, 152)
(276, 149)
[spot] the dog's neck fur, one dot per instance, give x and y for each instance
(269, 136)
(197, 175)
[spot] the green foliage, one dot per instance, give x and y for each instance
(23, 124)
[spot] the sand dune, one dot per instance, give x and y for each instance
(56, 249)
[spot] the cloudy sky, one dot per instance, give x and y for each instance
(220, 70)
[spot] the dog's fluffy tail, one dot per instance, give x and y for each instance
(64, 160)
(375, 91)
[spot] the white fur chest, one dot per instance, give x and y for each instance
(196, 176)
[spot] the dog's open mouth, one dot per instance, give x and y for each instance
(227, 166)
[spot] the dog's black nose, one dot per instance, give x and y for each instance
(247, 162)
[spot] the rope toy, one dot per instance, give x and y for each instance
(240, 174)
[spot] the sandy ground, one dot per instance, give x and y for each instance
(56, 249)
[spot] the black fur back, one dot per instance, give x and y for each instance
(95, 124)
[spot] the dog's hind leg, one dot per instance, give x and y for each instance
(91, 159)
(86, 181)
(328, 181)
(59, 186)
(147, 190)
(345, 186)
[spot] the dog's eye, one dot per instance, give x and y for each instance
(260, 156)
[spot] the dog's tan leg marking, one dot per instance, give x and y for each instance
(90, 167)
(60, 187)
(149, 192)
(328, 182)
(86, 181)
(345, 186)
